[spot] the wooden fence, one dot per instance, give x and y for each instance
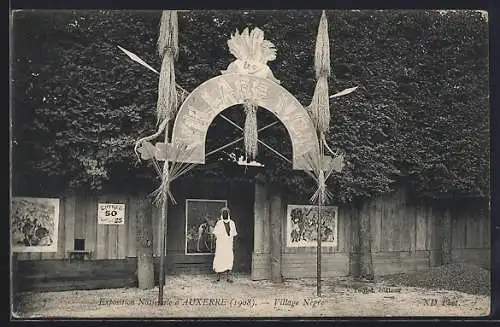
(78, 220)
(403, 235)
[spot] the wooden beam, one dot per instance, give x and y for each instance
(366, 269)
(276, 217)
(163, 241)
(259, 216)
(436, 225)
(318, 247)
(447, 237)
(145, 266)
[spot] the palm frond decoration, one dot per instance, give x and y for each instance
(250, 132)
(168, 39)
(171, 172)
(167, 95)
(137, 59)
(168, 49)
(181, 92)
(251, 46)
(344, 92)
(320, 174)
(319, 109)
(322, 51)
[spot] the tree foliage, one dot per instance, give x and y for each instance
(419, 117)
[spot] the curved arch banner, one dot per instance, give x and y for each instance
(221, 92)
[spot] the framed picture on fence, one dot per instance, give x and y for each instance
(301, 228)
(34, 224)
(201, 217)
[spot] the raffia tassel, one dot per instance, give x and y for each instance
(321, 186)
(162, 193)
(167, 94)
(322, 52)
(168, 39)
(319, 108)
(250, 130)
(321, 194)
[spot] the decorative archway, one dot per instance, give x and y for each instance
(248, 81)
(209, 99)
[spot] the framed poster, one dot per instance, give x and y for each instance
(34, 224)
(301, 228)
(201, 216)
(110, 214)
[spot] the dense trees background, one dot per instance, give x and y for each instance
(420, 116)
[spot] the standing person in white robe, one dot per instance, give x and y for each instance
(224, 231)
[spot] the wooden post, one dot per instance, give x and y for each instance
(259, 207)
(318, 251)
(365, 256)
(275, 213)
(266, 219)
(163, 228)
(14, 279)
(437, 233)
(163, 234)
(261, 262)
(318, 234)
(354, 240)
(447, 237)
(145, 265)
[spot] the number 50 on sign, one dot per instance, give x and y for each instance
(111, 214)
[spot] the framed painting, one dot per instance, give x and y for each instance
(34, 224)
(201, 217)
(301, 228)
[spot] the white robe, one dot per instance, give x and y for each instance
(224, 255)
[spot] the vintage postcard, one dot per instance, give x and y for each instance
(239, 164)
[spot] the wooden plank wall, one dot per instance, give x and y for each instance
(399, 226)
(299, 262)
(471, 235)
(78, 220)
(404, 235)
(396, 227)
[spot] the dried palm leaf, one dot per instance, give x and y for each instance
(322, 51)
(167, 93)
(168, 39)
(319, 109)
(251, 46)
(250, 132)
(172, 171)
(320, 176)
(168, 49)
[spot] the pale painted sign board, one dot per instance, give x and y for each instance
(110, 214)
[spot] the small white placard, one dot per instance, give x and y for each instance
(111, 214)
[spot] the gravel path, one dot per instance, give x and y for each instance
(456, 277)
(199, 296)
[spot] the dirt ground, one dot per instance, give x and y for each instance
(200, 296)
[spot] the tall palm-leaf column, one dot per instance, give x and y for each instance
(319, 111)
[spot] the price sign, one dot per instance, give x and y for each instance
(110, 214)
